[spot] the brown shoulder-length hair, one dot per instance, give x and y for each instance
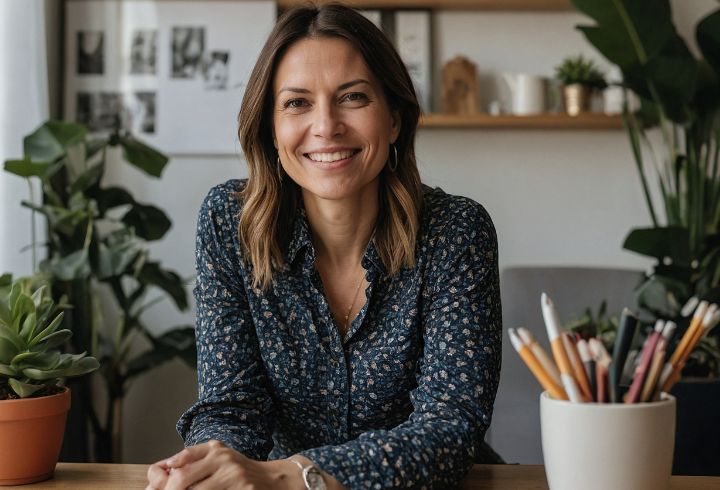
(271, 198)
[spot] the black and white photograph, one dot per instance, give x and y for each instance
(188, 48)
(217, 70)
(90, 52)
(143, 52)
(140, 111)
(100, 111)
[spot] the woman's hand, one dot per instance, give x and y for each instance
(214, 466)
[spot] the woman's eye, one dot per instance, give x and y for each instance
(355, 97)
(294, 104)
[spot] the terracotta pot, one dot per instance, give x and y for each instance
(31, 432)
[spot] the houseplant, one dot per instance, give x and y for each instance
(677, 127)
(580, 78)
(33, 404)
(97, 253)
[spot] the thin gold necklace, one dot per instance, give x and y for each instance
(357, 289)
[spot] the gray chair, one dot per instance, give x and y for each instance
(515, 429)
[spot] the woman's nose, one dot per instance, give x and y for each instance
(327, 121)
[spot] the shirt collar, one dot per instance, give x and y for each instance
(300, 240)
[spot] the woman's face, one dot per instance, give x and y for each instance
(331, 123)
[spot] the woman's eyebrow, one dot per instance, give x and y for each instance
(344, 86)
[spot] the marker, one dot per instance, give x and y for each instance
(535, 367)
(552, 324)
(626, 332)
(545, 361)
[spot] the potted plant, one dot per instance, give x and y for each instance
(580, 78)
(33, 403)
(679, 97)
(98, 254)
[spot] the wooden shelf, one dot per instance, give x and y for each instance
(506, 5)
(541, 121)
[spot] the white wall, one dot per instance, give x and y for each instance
(557, 197)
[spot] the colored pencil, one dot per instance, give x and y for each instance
(535, 367)
(542, 356)
(552, 324)
(577, 366)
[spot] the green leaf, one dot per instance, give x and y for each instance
(51, 140)
(150, 223)
(671, 241)
(22, 307)
(47, 330)
(119, 253)
(26, 168)
(111, 197)
(5, 280)
(8, 349)
(54, 339)
(143, 157)
(6, 370)
(707, 34)
(179, 342)
(92, 147)
(83, 366)
(73, 266)
(88, 178)
(168, 281)
(23, 390)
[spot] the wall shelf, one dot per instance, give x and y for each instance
(541, 121)
(506, 5)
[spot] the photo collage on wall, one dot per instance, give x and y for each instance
(163, 68)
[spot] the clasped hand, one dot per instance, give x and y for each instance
(214, 466)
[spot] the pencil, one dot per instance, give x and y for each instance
(602, 364)
(552, 324)
(577, 366)
(646, 358)
(545, 361)
(535, 367)
(589, 363)
(695, 323)
(653, 374)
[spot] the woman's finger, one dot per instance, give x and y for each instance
(190, 474)
(191, 454)
(157, 476)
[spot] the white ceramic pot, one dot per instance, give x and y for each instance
(617, 446)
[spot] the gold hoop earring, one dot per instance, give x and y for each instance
(393, 164)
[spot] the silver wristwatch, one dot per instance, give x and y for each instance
(312, 476)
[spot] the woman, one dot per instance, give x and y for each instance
(348, 317)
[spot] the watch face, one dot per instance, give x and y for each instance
(313, 478)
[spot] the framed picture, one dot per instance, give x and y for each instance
(171, 72)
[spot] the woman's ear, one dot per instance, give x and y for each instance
(395, 124)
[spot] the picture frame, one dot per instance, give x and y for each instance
(172, 72)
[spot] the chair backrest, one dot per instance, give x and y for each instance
(515, 429)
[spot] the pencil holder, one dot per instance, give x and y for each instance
(594, 446)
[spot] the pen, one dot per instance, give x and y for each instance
(545, 361)
(552, 324)
(535, 367)
(623, 340)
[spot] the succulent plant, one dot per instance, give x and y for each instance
(30, 357)
(576, 69)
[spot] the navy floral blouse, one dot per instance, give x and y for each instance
(402, 401)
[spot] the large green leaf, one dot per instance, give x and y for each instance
(143, 157)
(152, 274)
(118, 254)
(54, 340)
(179, 342)
(149, 222)
(51, 140)
(671, 241)
(26, 168)
(88, 178)
(110, 197)
(707, 34)
(73, 266)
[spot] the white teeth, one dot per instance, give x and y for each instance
(330, 157)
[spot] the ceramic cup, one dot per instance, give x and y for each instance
(527, 93)
(593, 446)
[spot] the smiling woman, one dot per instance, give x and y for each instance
(303, 380)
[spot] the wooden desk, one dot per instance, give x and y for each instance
(77, 476)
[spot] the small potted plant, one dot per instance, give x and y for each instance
(580, 78)
(33, 403)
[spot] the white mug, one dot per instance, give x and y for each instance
(601, 446)
(527, 93)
